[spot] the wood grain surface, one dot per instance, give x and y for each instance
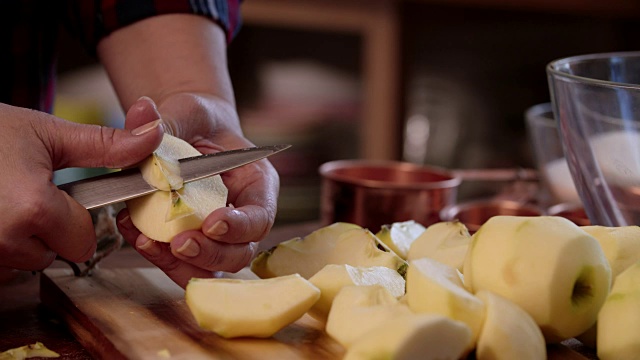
(140, 314)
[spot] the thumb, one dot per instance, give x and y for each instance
(78, 145)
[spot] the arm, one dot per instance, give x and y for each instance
(180, 62)
(167, 54)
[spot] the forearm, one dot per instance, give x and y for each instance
(165, 55)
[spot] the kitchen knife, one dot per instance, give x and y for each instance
(127, 184)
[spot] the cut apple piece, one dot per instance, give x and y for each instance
(35, 350)
(161, 218)
(433, 287)
(619, 318)
(256, 308)
(508, 332)
(339, 243)
(333, 277)
(547, 265)
(358, 309)
(410, 337)
(399, 236)
(446, 242)
(621, 245)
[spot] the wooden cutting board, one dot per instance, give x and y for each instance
(140, 314)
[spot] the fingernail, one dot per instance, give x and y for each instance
(190, 248)
(124, 222)
(143, 97)
(148, 246)
(218, 229)
(141, 130)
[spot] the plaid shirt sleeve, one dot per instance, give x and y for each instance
(28, 31)
(93, 20)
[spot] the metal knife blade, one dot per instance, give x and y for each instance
(127, 184)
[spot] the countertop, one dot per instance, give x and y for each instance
(25, 321)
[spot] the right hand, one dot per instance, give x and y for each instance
(38, 220)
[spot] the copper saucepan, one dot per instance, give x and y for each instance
(372, 193)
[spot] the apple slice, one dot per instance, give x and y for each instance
(35, 350)
(547, 265)
(399, 236)
(446, 242)
(433, 287)
(619, 318)
(409, 337)
(358, 309)
(339, 243)
(257, 308)
(508, 332)
(159, 216)
(333, 277)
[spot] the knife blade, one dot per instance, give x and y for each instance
(127, 184)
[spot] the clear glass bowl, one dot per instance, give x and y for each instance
(596, 102)
(549, 156)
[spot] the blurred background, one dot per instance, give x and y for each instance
(438, 82)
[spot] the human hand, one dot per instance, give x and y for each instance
(180, 61)
(228, 238)
(38, 220)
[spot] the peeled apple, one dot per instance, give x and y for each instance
(446, 242)
(547, 265)
(399, 236)
(410, 337)
(332, 278)
(357, 309)
(619, 319)
(436, 288)
(621, 245)
(176, 207)
(508, 332)
(338, 243)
